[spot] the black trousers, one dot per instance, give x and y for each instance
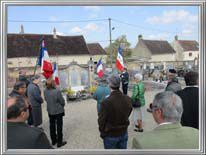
(124, 88)
(56, 122)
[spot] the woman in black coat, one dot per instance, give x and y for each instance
(55, 108)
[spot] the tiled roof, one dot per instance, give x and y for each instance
(96, 49)
(158, 46)
(189, 45)
(27, 45)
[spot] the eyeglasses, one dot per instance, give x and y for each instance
(153, 107)
(26, 108)
(23, 87)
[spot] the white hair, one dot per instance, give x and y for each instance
(138, 76)
(171, 105)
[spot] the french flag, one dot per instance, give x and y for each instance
(44, 61)
(100, 71)
(55, 74)
(119, 60)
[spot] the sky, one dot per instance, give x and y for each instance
(152, 22)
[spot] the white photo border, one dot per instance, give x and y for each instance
(3, 70)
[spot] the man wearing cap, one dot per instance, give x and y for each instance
(173, 84)
(19, 134)
(114, 115)
(34, 94)
(125, 80)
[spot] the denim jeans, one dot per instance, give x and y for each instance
(98, 107)
(116, 142)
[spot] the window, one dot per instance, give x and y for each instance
(190, 54)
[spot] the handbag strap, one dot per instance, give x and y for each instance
(137, 90)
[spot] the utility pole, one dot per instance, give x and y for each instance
(110, 40)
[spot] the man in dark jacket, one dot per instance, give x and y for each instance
(114, 117)
(173, 84)
(19, 134)
(125, 81)
(190, 99)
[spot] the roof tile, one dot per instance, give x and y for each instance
(96, 49)
(158, 46)
(28, 45)
(189, 45)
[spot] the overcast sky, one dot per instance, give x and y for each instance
(153, 22)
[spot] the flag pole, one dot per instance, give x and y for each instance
(110, 40)
(38, 57)
(36, 66)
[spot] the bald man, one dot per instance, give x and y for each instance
(19, 134)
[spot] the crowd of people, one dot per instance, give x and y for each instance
(24, 105)
(175, 110)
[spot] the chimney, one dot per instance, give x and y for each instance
(22, 30)
(176, 37)
(139, 37)
(54, 33)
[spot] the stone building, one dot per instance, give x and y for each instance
(187, 51)
(69, 52)
(152, 53)
(97, 52)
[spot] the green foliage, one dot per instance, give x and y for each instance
(122, 42)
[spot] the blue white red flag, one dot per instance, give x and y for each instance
(55, 74)
(44, 61)
(100, 71)
(119, 60)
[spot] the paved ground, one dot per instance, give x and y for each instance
(80, 123)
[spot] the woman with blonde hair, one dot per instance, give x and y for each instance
(138, 94)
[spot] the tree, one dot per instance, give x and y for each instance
(124, 44)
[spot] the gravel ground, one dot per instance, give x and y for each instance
(80, 128)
